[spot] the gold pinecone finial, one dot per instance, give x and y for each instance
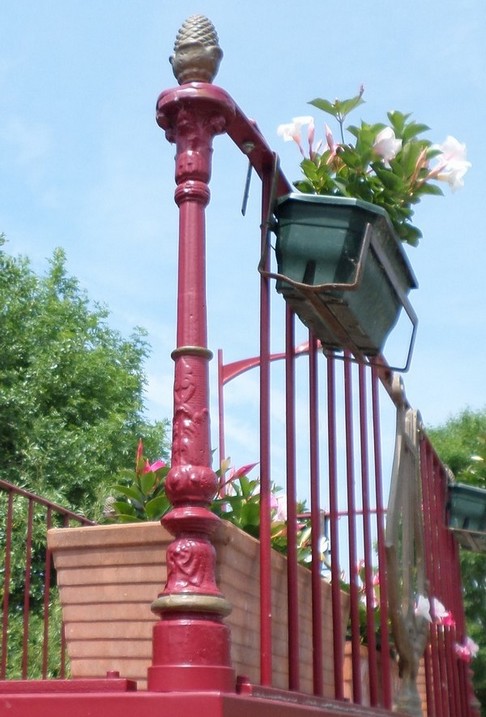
(197, 53)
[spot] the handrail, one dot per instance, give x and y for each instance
(9, 487)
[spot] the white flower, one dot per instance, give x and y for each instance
(279, 505)
(386, 145)
(291, 130)
(467, 651)
(422, 608)
(452, 164)
(471, 646)
(441, 615)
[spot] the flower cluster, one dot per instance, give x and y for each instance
(238, 501)
(467, 651)
(391, 166)
(434, 611)
(141, 496)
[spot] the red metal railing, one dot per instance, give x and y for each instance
(346, 473)
(32, 643)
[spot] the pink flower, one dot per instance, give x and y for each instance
(139, 455)
(441, 615)
(154, 467)
(234, 474)
(279, 505)
(452, 164)
(386, 145)
(466, 651)
(292, 131)
(330, 140)
(242, 471)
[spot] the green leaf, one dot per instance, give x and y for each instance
(431, 189)
(157, 507)
(325, 106)
(346, 106)
(130, 492)
(389, 178)
(123, 508)
(250, 514)
(147, 482)
(397, 121)
(413, 129)
(128, 519)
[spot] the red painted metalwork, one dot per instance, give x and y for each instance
(380, 541)
(265, 475)
(352, 536)
(291, 473)
(315, 517)
(334, 531)
(227, 372)
(257, 702)
(19, 504)
(6, 586)
(191, 642)
(448, 680)
(28, 563)
(367, 537)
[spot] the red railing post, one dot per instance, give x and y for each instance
(191, 649)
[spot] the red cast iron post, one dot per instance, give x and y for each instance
(191, 642)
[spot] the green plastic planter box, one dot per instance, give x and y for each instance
(343, 270)
(467, 515)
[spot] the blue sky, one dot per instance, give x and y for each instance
(84, 166)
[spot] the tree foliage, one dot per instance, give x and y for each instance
(461, 444)
(71, 414)
(71, 388)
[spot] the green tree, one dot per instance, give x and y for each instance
(71, 415)
(461, 444)
(71, 388)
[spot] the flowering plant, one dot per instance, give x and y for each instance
(391, 166)
(434, 612)
(373, 607)
(141, 496)
(238, 501)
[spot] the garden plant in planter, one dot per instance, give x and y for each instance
(109, 574)
(340, 260)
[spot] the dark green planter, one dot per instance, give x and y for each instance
(467, 515)
(342, 269)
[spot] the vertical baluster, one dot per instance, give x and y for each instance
(292, 568)
(315, 518)
(27, 582)
(352, 537)
(380, 532)
(47, 599)
(6, 586)
(334, 529)
(265, 470)
(367, 538)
